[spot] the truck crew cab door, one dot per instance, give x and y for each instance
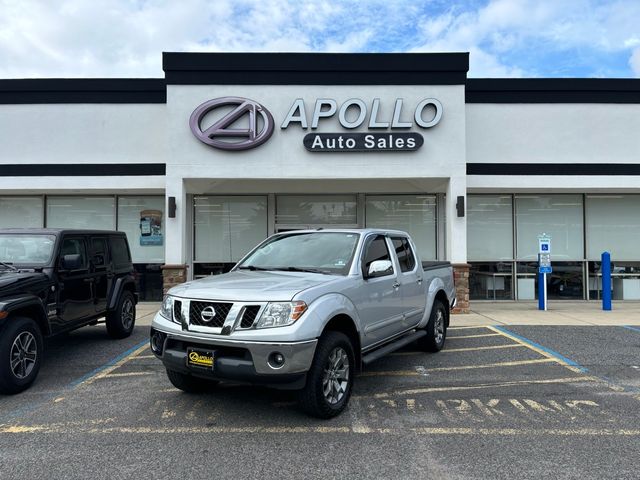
(379, 301)
(75, 293)
(411, 278)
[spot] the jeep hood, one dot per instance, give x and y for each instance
(251, 286)
(18, 281)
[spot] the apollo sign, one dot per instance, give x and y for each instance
(352, 114)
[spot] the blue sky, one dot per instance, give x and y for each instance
(506, 38)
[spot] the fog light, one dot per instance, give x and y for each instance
(276, 360)
(157, 342)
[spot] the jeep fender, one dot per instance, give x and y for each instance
(27, 305)
(117, 289)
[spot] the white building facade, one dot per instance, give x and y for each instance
(228, 149)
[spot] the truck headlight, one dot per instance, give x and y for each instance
(281, 314)
(166, 310)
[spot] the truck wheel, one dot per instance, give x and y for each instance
(330, 378)
(120, 322)
(189, 384)
(20, 354)
(436, 329)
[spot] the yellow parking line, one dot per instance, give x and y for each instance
(466, 349)
(415, 391)
(477, 327)
(127, 374)
(565, 432)
(140, 357)
(474, 336)
(413, 373)
(107, 371)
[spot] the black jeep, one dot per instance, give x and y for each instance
(53, 281)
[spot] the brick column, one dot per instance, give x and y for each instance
(173, 275)
(461, 277)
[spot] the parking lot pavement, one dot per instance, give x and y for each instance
(497, 402)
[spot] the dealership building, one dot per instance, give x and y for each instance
(229, 148)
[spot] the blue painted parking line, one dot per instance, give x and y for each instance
(629, 327)
(110, 363)
(541, 348)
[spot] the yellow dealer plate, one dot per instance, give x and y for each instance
(200, 358)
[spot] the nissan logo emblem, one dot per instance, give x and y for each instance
(207, 314)
(218, 133)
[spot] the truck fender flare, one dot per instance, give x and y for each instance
(13, 304)
(434, 287)
(336, 304)
(117, 289)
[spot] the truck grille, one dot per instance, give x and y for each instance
(177, 310)
(249, 315)
(208, 314)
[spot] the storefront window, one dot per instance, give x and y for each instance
(415, 214)
(308, 210)
(142, 219)
(565, 283)
(21, 212)
(226, 228)
(95, 213)
(613, 225)
(625, 280)
(559, 216)
(489, 227)
(491, 281)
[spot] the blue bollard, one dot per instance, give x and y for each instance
(606, 281)
(541, 299)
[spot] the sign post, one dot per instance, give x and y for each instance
(544, 267)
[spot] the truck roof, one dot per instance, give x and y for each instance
(352, 230)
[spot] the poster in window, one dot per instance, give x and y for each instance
(150, 227)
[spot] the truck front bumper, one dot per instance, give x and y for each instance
(234, 359)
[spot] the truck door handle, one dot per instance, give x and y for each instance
(396, 285)
(88, 280)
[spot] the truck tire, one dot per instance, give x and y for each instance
(188, 383)
(436, 329)
(21, 350)
(330, 378)
(120, 322)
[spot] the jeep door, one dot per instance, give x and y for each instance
(101, 272)
(75, 298)
(379, 300)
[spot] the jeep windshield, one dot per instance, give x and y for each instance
(25, 249)
(313, 252)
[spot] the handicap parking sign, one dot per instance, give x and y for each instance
(544, 244)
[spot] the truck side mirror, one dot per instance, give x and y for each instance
(72, 261)
(379, 268)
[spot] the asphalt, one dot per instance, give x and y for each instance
(500, 401)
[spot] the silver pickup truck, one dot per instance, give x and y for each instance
(305, 310)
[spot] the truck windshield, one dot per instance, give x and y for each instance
(25, 249)
(317, 252)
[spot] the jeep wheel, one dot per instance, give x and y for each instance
(188, 383)
(330, 379)
(436, 329)
(20, 354)
(120, 322)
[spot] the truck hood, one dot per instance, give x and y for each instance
(251, 286)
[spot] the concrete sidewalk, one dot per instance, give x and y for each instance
(509, 313)
(560, 312)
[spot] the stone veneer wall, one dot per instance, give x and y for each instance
(173, 275)
(461, 278)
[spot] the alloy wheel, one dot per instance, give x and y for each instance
(23, 355)
(335, 380)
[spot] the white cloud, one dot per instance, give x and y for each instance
(634, 62)
(111, 38)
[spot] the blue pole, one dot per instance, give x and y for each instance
(541, 296)
(606, 281)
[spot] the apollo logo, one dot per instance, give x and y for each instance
(222, 133)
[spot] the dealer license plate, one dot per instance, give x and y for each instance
(197, 357)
